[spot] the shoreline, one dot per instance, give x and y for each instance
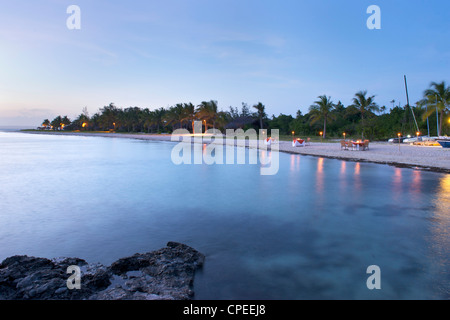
(436, 159)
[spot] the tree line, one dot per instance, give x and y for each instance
(362, 118)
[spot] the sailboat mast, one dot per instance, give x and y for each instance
(437, 119)
(407, 101)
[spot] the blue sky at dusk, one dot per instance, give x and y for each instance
(158, 53)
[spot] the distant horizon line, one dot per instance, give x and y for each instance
(13, 127)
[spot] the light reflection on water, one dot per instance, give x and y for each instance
(440, 238)
(308, 232)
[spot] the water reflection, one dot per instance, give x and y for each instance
(264, 156)
(445, 187)
(343, 167)
(357, 168)
(443, 201)
(320, 166)
(295, 163)
(416, 186)
(442, 204)
(319, 176)
(357, 182)
(440, 229)
(397, 187)
(343, 181)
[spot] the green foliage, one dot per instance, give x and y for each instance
(363, 116)
(261, 114)
(282, 123)
(436, 99)
(322, 110)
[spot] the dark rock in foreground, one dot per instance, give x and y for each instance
(165, 274)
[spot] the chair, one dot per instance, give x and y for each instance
(308, 142)
(366, 145)
(344, 145)
(350, 145)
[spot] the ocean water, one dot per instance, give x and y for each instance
(308, 232)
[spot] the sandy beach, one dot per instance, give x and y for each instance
(417, 157)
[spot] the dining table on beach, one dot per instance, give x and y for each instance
(357, 144)
(298, 142)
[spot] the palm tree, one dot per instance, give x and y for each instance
(437, 95)
(175, 115)
(109, 116)
(261, 113)
(56, 123)
(321, 109)
(179, 113)
(157, 117)
(364, 105)
(222, 119)
(65, 121)
(46, 123)
(146, 118)
(189, 114)
(81, 122)
(132, 118)
(207, 111)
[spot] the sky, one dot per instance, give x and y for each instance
(154, 53)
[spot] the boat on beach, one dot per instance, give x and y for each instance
(397, 140)
(444, 143)
(420, 138)
(423, 141)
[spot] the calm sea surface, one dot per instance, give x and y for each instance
(309, 232)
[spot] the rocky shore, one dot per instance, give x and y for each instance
(165, 274)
